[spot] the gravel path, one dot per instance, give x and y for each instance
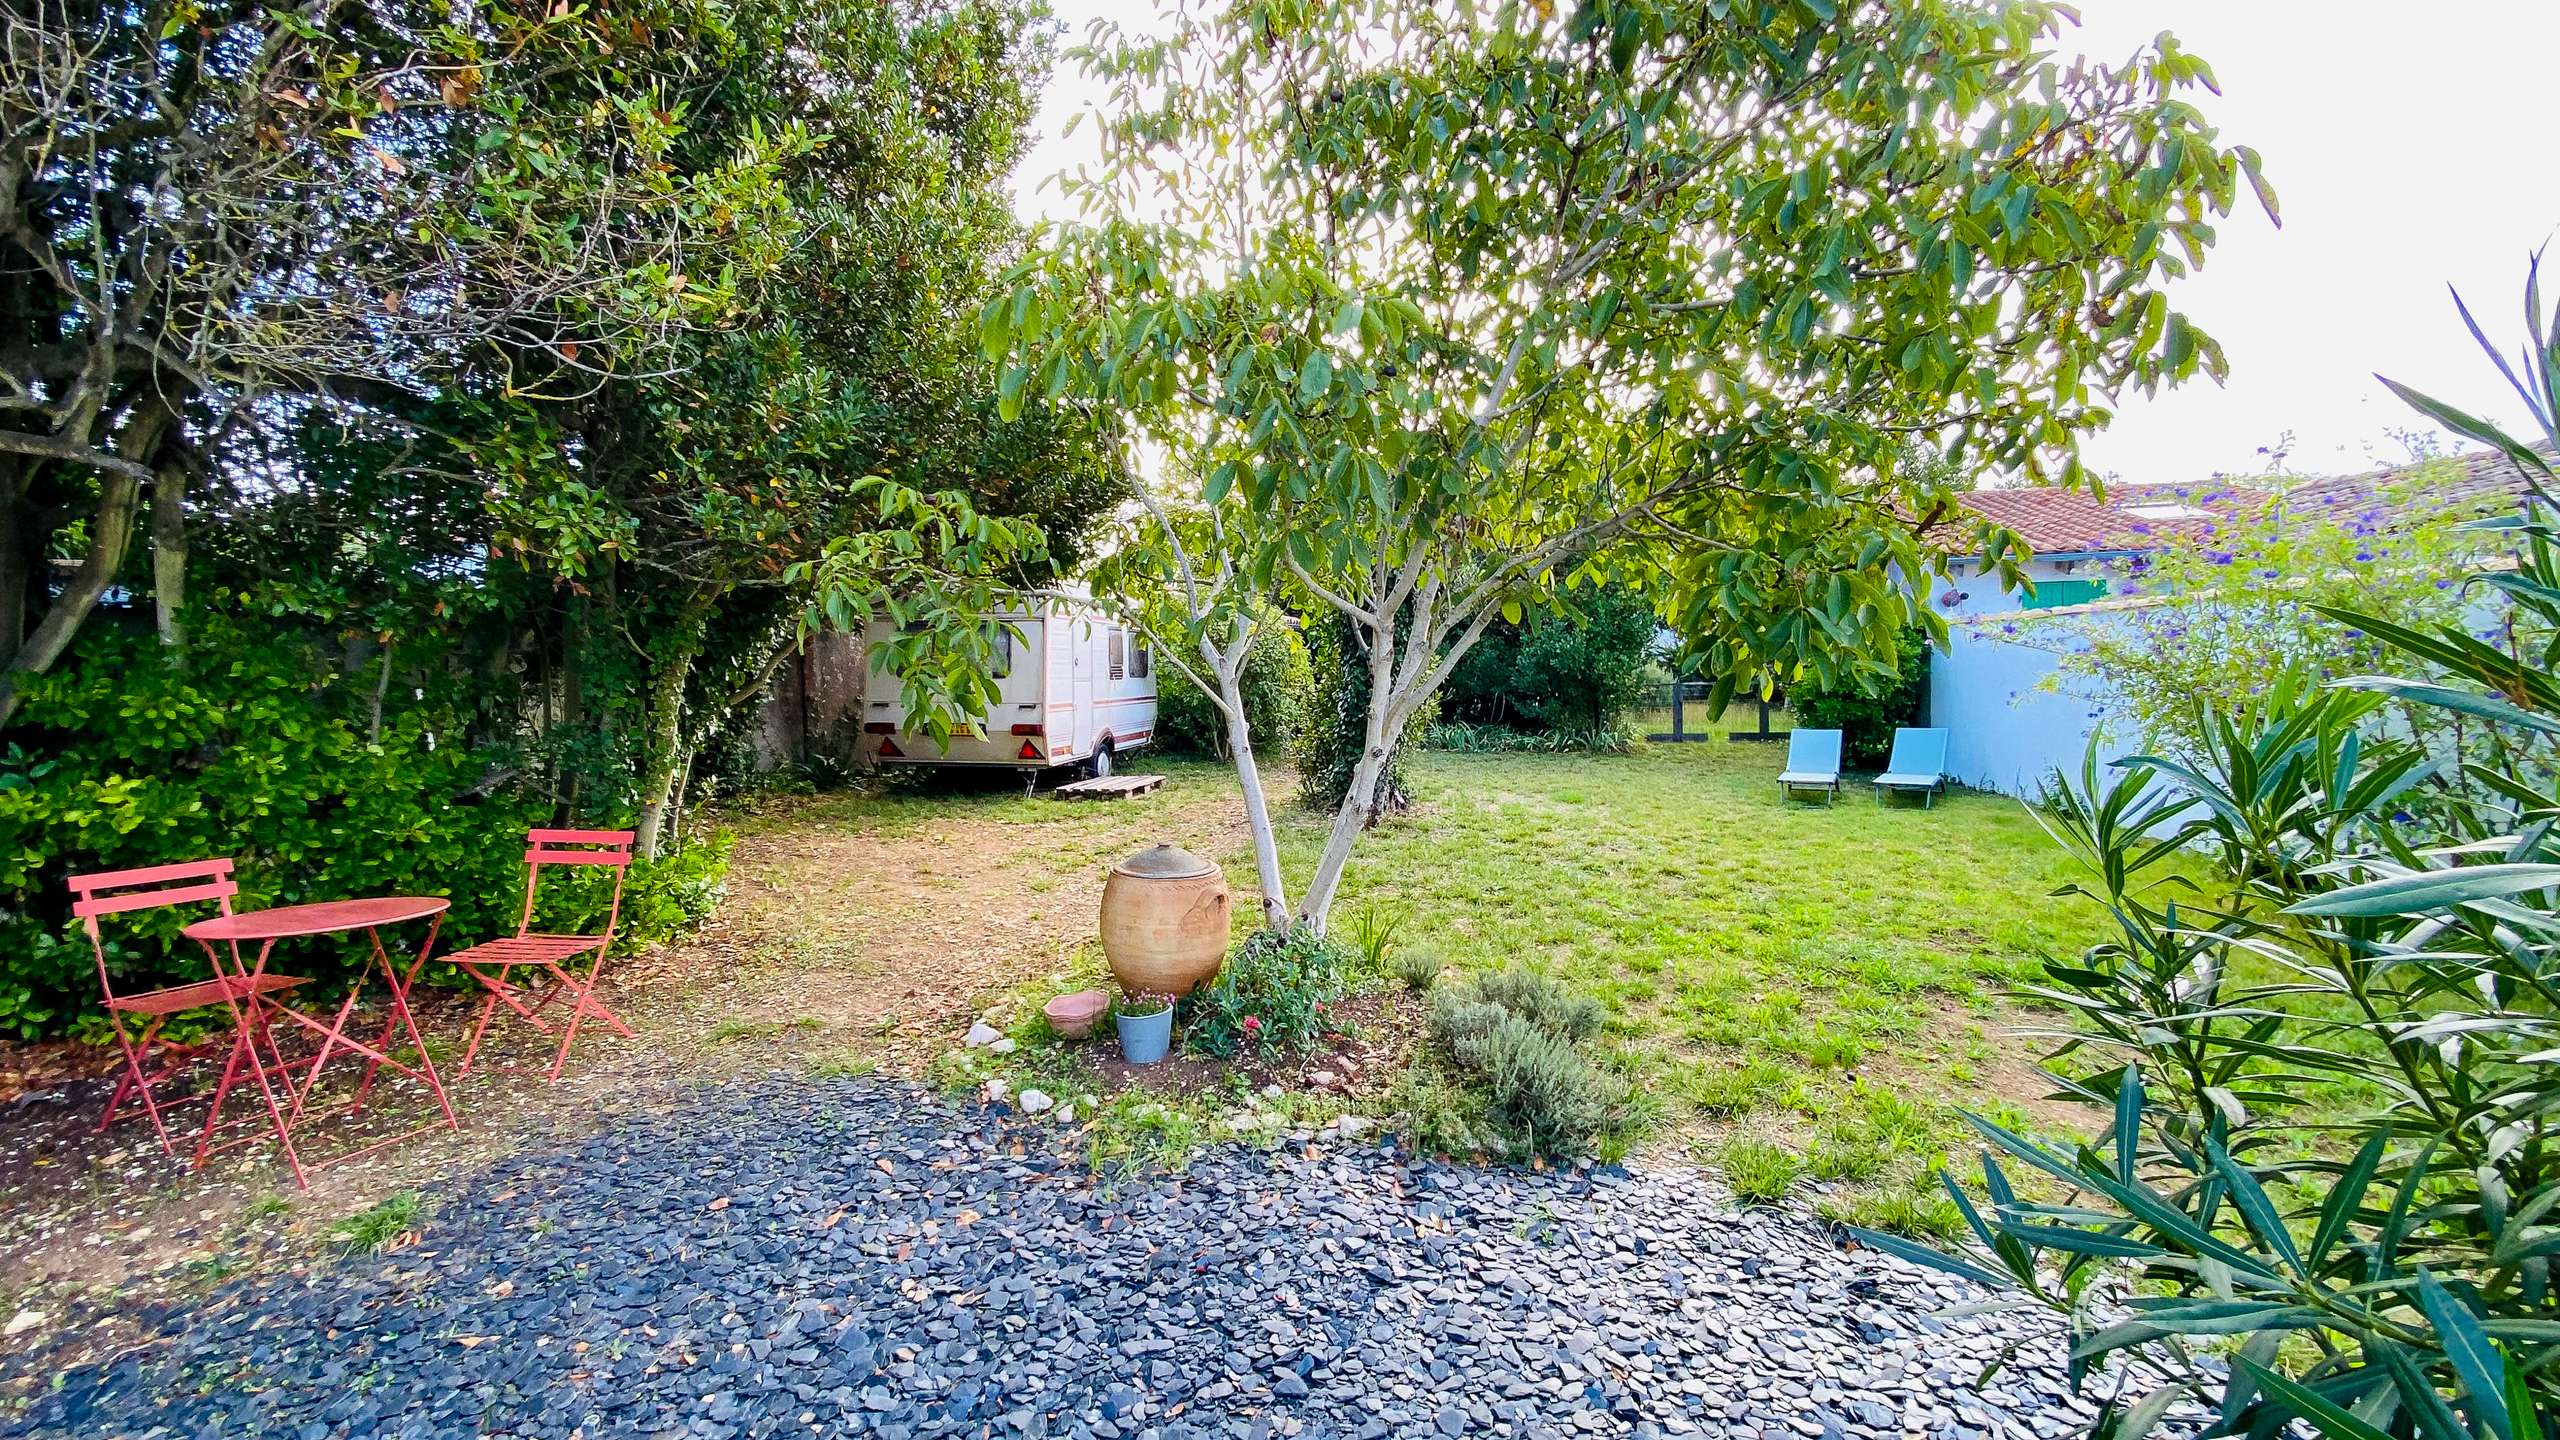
(862, 1257)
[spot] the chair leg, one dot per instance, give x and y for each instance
(135, 1082)
(582, 1003)
(488, 1008)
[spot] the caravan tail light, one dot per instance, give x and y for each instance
(890, 749)
(880, 727)
(1029, 751)
(1031, 729)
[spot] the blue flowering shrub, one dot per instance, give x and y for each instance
(2229, 605)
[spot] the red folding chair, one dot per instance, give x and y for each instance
(495, 963)
(114, 892)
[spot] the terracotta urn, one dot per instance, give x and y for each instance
(1164, 920)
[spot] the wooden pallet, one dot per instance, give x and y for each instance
(1111, 787)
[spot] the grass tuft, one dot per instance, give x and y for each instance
(370, 1231)
(1758, 1172)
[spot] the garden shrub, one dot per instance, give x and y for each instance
(1463, 738)
(2242, 602)
(1279, 693)
(1573, 675)
(258, 750)
(1515, 1037)
(1543, 1000)
(1865, 709)
(1275, 995)
(1417, 969)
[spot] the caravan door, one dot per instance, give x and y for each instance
(1083, 639)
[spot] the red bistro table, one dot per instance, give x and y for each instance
(329, 917)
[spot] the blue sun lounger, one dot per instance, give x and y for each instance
(1813, 763)
(1918, 765)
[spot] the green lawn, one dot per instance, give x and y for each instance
(1823, 981)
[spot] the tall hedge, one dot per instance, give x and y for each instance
(1582, 672)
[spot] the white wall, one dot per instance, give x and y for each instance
(2006, 729)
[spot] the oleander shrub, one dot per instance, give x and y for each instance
(1276, 994)
(2324, 1027)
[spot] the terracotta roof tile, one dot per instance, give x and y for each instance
(2058, 521)
(2052, 520)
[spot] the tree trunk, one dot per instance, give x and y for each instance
(18, 555)
(1360, 802)
(664, 753)
(169, 551)
(110, 531)
(1257, 809)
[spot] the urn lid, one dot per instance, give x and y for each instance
(1164, 862)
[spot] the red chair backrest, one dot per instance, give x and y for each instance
(576, 847)
(112, 892)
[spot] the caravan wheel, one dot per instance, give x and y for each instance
(1099, 767)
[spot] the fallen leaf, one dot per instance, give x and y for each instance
(830, 1222)
(720, 1204)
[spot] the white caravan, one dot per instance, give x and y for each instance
(1074, 688)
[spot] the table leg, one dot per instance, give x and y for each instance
(402, 1016)
(329, 1042)
(248, 1022)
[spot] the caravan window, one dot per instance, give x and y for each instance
(1139, 664)
(1119, 653)
(1004, 651)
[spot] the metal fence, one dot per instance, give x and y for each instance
(1678, 711)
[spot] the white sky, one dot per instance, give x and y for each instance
(2409, 145)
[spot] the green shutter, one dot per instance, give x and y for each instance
(2052, 594)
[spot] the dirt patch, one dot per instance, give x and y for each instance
(898, 937)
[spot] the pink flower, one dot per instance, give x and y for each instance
(1251, 1024)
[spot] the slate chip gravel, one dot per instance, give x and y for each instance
(863, 1257)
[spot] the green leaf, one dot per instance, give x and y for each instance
(2429, 890)
(1933, 1259)
(1347, 319)
(1315, 377)
(2487, 707)
(2332, 1422)
(2476, 1362)
(2255, 1207)
(2129, 1123)
(2347, 1195)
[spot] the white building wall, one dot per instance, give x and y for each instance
(2007, 728)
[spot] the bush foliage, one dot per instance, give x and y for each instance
(1864, 709)
(1516, 1038)
(1279, 695)
(263, 751)
(1577, 673)
(1275, 995)
(2243, 605)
